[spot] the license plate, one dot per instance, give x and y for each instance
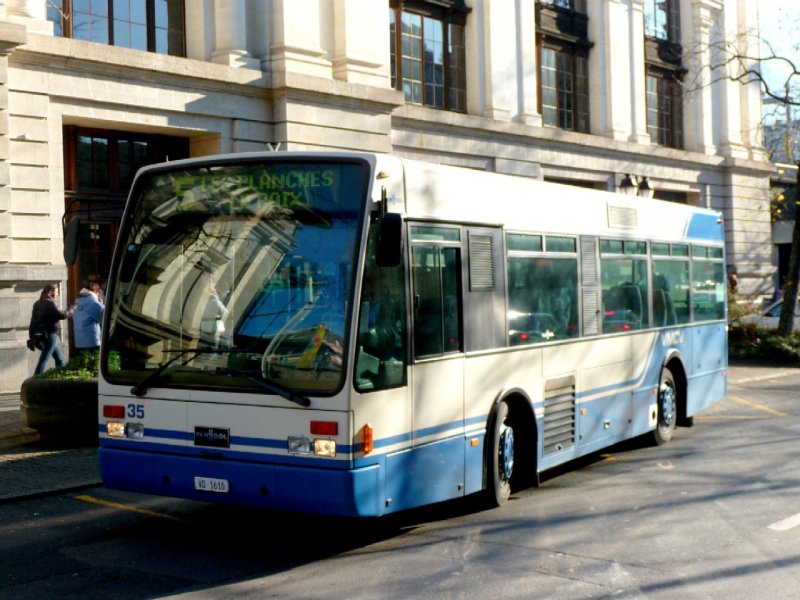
(209, 484)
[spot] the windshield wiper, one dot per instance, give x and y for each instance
(275, 388)
(140, 389)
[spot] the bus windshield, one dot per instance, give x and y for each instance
(237, 275)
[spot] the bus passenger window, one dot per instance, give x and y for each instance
(437, 301)
(624, 294)
(670, 292)
(542, 299)
(708, 289)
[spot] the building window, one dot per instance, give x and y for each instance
(662, 19)
(564, 89)
(427, 46)
(561, 32)
(576, 5)
(664, 72)
(664, 110)
(150, 25)
(106, 161)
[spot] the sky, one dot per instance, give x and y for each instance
(780, 26)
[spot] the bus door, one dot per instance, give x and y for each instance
(437, 379)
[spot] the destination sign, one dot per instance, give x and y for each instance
(247, 191)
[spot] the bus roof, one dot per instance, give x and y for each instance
(466, 195)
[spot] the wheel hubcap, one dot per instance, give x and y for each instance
(667, 398)
(506, 453)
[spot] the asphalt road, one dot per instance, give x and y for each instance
(713, 514)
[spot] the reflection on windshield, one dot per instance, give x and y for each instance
(253, 262)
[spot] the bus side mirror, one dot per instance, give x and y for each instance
(390, 240)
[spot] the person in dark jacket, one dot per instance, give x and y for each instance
(46, 320)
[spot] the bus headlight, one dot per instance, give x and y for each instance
(134, 430)
(115, 429)
(127, 430)
(298, 445)
(325, 448)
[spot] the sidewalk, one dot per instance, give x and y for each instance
(32, 465)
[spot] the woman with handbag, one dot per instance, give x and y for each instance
(45, 327)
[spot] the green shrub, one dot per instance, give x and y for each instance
(80, 368)
(746, 341)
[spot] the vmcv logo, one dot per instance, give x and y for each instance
(672, 338)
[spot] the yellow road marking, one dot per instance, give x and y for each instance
(128, 507)
(758, 406)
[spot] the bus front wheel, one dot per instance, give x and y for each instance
(500, 457)
(667, 409)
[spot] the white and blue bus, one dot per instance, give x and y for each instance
(356, 334)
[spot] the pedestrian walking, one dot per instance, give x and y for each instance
(86, 320)
(45, 327)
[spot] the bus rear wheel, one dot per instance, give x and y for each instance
(500, 457)
(667, 409)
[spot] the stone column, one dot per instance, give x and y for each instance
(494, 29)
(299, 46)
(639, 80)
(731, 110)
(32, 9)
(31, 13)
(361, 42)
(528, 110)
(230, 35)
(617, 70)
(701, 34)
(11, 36)
(750, 95)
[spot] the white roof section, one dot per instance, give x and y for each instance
(469, 196)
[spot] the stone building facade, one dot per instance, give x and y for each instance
(579, 91)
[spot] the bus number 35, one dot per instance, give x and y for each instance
(136, 411)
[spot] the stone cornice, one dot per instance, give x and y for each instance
(87, 58)
(758, 168)
(417, 117)
(12, 36)
(67, 55)
(296, 83)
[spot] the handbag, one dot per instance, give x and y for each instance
(36, 341)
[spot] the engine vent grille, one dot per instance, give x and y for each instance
(559, 414)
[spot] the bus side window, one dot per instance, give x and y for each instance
(624, 308)
(437, 303)
(670, 292)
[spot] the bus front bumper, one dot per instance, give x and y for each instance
(340, 492)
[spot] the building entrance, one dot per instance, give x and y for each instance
(99, 167)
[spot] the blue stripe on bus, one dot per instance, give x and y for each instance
(280, 444)
(649, 372)
(223, 453)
